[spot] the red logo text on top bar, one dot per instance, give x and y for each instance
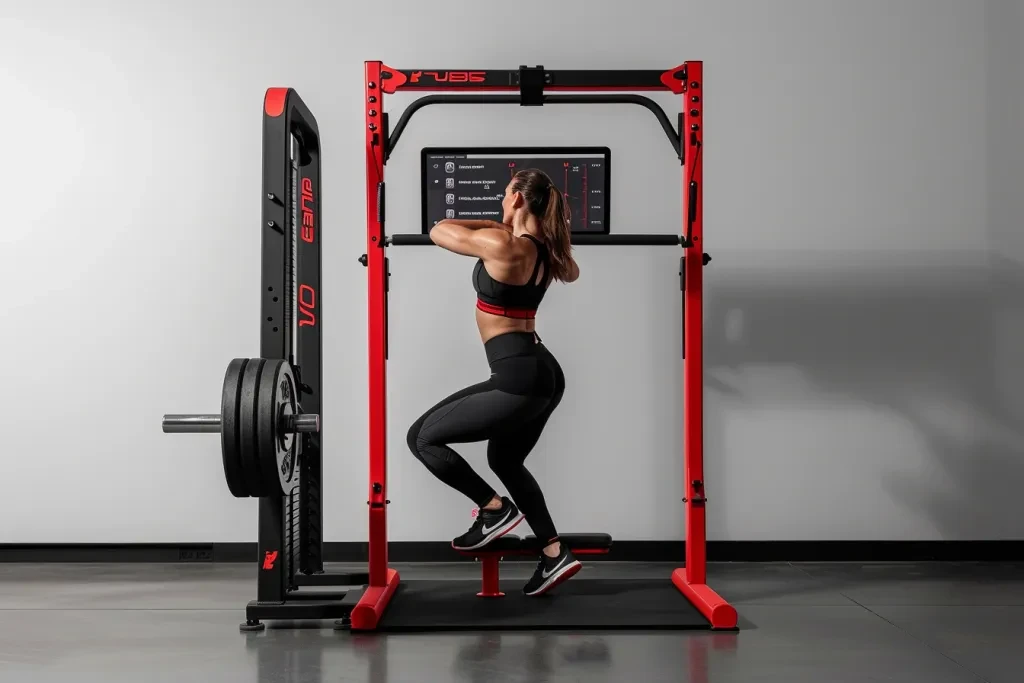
(308, 218)
(449, 76)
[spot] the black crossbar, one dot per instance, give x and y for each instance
(508, 79)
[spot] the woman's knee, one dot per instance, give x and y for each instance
(427, 447)
(414, 439)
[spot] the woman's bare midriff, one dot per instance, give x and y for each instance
(491, 325)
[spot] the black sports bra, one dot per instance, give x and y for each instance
(512, 301)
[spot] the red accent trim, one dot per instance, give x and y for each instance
(515, 88)
(397, 80)
(273, 101)
(269, 559)
(377, 331)
(675, 83)
(368, 611)
(520, 313)
(715, 609)
(590, 551)
(586, 196)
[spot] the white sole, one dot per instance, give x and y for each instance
(554, 578)
(496, 533)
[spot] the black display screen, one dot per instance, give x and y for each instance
(469, 183)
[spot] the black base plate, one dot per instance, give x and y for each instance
(305, 607)
(585, 604)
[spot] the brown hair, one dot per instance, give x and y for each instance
(545, 202)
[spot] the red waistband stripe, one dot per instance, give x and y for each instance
(522, 313)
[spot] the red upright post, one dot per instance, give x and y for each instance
(691, 138)
(383, 580)
(692, 580)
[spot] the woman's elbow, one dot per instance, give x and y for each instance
(440, 234)
(448, 236)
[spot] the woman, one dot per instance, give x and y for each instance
(517, 260)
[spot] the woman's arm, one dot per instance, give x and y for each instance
(474, 224)
(483, 239)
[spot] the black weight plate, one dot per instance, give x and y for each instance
(288, 442)
(249, 404)
(230, 448)
(277, 399)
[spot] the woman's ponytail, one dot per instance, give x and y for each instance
(551, 208)
(557, 233)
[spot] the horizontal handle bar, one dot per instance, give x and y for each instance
(645, 102)
(410, 240)
(629, 240)
(407, 240)
(211, 424)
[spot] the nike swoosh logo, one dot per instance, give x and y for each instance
(486, 529)
(546, 574)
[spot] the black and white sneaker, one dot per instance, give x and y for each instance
(552, 571)
(489, 525)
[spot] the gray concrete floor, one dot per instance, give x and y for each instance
(827, 623)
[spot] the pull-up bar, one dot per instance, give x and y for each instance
(415, 106)
(413, 239)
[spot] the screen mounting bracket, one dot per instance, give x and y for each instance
(531, 85)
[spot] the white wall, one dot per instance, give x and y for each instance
(848, 391)
(1005, 138)
(1005, 19)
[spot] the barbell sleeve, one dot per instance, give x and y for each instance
(191, 424)
(303, 423)
(211, 424)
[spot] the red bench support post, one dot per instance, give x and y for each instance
(491, 587)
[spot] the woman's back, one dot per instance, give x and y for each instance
(510, 289)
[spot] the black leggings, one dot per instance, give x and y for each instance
(509, 411)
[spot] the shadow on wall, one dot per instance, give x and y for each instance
(932, 340)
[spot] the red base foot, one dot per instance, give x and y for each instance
(715, 609)
(483, 594)
(370, 608)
